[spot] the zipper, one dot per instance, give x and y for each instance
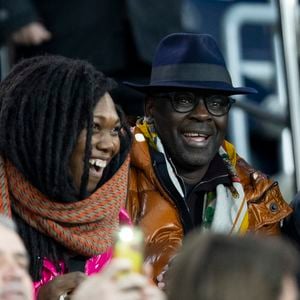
(182, 181)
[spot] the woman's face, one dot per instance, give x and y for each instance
(105, 144)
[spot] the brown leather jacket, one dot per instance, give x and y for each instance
(152, 208)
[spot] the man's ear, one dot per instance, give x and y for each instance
(149, 106)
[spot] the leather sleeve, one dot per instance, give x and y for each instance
(266, 207)
(158, 219)
(132, 204)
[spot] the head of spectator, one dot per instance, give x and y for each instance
(65, 148)
(15, 281)
(221, 267)
(190, 87)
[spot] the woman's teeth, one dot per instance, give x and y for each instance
(99, 163)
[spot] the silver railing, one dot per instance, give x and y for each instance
(288, 24)
(234, 20)
(236, 17)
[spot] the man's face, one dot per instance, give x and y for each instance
(105, 144)
(191, 138)
(15, 282)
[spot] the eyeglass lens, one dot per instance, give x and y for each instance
(215, 104)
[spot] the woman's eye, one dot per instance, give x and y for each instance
(96, 126)
(116, 130)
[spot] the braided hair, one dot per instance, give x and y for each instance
(45, 102)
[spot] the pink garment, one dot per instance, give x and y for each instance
(93, 265)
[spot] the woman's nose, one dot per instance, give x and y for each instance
(104, 142)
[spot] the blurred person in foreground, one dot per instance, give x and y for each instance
(15, 281)
(63, 168)
(219, 267)
(184, 174)
(118, 282)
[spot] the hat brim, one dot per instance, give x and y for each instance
(204, 86)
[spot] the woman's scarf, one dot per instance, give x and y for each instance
(225, 209)
(85, 227)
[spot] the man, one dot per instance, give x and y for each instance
(184, 173)
(15, 282)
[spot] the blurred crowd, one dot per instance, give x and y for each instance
(117, 37)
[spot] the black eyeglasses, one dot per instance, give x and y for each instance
(183, 102)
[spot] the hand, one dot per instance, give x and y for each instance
(60, 285)
(117, 282)
(32, 34)
(162, 277)
(152, 292)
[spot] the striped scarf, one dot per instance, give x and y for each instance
(225, 209)
(85, 227)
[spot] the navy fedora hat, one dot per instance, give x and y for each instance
(189, 61)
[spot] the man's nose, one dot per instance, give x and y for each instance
(200, 110)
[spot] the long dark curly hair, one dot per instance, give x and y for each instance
(45, 102)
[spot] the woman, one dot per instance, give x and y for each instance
(64, 167)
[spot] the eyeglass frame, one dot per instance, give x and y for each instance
(171, 95)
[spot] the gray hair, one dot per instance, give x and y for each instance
(7, 223)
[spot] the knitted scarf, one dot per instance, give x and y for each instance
(85, 227)
(225, 209)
